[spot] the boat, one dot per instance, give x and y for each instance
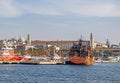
(26, 58)
(7, 54)
(81, 53)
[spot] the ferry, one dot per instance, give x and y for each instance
(81, 53)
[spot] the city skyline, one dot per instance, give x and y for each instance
(60, 19)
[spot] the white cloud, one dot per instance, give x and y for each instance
(7, 9)
(43, 10)
(79, 8)
(100, 10)
(13, 8)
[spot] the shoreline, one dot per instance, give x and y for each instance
(37, 62)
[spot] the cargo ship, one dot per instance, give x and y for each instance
(82, 53)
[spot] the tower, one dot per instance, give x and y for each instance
(29, 39)
(91, 41)
(108, 43)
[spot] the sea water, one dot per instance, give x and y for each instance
(97, 73)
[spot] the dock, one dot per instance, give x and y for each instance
(9, 62)
(38, 62)
(51, 62)
(106, 61)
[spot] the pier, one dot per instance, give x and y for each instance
(34, 62)
(9, 62)
(37, 62)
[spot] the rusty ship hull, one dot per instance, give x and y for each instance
(81, 60)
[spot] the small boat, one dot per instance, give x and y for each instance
(26, 57)
(81, 54)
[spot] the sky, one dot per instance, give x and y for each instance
(61, 19)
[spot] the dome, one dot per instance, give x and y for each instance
(21, 40)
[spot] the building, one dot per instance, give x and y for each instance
(24, 47)
(64, 44)
(21, 40)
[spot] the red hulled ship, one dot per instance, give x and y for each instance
(7, 54)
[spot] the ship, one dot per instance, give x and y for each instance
(26, 58)
(82, 53)
(7, 54)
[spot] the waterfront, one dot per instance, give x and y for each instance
(97, 73)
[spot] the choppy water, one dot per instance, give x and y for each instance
(98, 73)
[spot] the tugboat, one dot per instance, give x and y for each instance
(7, 54)
(82, 53)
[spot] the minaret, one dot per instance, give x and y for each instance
(29, 39)
(91, 41)
(108, 43)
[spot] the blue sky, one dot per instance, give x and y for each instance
(60, 19)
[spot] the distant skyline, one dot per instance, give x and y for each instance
(60, 19)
